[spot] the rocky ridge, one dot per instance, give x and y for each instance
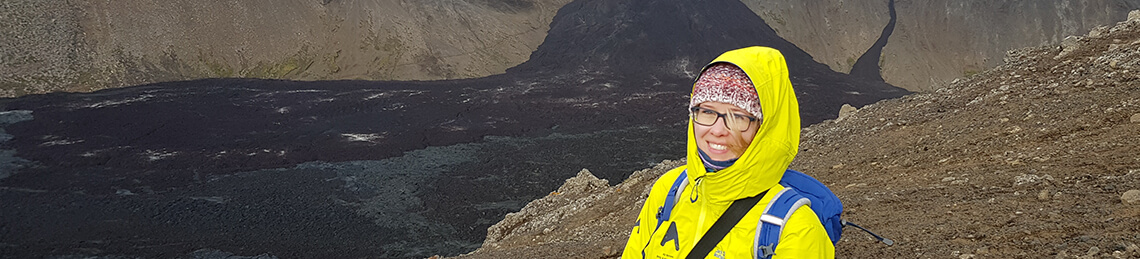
(54, 46)
(934, 41)
(1034, 158)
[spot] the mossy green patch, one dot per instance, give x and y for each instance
(970, 72)
(330, 61)
(290, 66)
(218, 69)
(12, 88)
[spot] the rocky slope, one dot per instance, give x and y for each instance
(934, 41)
(88, 45)
(1035, 158)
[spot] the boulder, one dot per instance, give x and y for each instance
(847, 110)
(1131, 197)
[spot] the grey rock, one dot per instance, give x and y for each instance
(1044, 195)
(582, 183)
(1068, 45)
(845, 111)
(1131, 197)
(14, 116)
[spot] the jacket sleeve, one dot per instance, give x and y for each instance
(642, 232)
(804, 237)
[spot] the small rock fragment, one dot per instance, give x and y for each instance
(1136, 118)
(1093, 251)
(1068, 45)
(1044, 195)
(1131, 197)
(609, 251)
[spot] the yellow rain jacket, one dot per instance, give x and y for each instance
(758, 169)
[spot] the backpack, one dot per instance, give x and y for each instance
(801, 190)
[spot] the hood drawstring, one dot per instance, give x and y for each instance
(694, 197)
(696, 187)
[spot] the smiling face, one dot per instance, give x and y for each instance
(719, 142)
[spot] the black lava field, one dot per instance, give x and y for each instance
(371, 169)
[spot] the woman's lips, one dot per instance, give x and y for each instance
(717, 148)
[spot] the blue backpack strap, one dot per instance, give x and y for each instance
(671, 200)
(772, 222)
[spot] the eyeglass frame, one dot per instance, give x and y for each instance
(693, 114)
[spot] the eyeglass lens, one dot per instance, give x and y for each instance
(708, 117)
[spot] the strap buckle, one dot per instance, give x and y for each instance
(767, 251)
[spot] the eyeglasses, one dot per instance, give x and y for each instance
(708, 117)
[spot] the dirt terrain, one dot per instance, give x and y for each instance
(1036, 158)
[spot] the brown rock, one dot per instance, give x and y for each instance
(1135, 118)
(609, 251)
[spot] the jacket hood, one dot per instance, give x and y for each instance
(776, 142)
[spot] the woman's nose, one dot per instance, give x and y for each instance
(720, 127)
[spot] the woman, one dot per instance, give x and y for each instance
(744, 130)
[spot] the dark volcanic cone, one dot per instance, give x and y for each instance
(653, 41)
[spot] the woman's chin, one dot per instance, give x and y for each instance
(723, 156)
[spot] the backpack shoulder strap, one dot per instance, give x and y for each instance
(723, 225)
(671, 200)
(776, 214)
